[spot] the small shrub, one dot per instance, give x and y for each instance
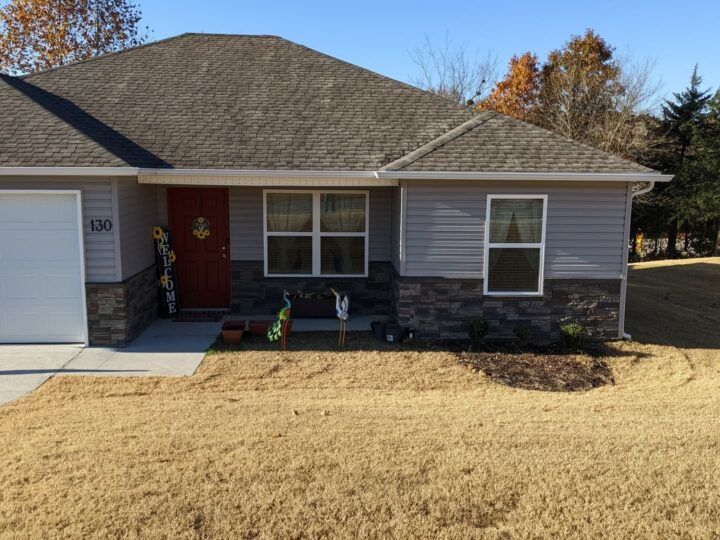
(522, 332)
(573, 335)
(477, 330)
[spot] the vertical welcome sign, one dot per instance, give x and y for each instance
(165, 260)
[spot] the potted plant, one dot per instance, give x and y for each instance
(232, 331)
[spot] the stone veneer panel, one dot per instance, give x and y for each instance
(442, 308)
(119, 312)
(252, 292)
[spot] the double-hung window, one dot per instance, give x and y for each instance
(515, 244)
(316, 233)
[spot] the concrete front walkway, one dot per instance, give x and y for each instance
(164, 349)
(25, 367)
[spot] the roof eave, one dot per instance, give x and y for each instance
(628, 176)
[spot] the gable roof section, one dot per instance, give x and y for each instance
(492, 142)
(205, 101)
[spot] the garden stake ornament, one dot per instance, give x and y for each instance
(342, 304)
(279, 329)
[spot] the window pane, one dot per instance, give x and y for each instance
(516, 220)
(289, 212)
(342, 255)
(513, 270)
(289, 254)
(342, 213)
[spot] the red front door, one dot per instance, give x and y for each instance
(199, 224)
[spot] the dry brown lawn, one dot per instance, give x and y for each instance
(377, 443)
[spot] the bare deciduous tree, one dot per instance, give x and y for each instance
(453, 73)
(613, 114)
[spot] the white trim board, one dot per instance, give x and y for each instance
(372, 177)
(316, 235)
(535, 245)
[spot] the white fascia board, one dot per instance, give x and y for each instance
(526, 176)
(68, 171)
(266, 180)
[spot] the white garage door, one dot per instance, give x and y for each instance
(41, 273)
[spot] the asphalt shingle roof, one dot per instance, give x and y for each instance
(494, 142)
(202, 101)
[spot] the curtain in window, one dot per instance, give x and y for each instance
(342, 213)
(289, 212)
(516, 221)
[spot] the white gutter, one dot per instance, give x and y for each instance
(623, 285)
(386, 175)
(68, 171)
(541, 176)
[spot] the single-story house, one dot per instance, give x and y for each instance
(294, 170)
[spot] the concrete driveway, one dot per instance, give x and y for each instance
(166, 348)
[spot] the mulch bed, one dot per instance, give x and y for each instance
(546, 372)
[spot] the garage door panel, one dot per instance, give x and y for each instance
(41, 286)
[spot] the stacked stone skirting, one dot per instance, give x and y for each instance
(437, 308)
(119, 312)
(442, 308)
(253, 293)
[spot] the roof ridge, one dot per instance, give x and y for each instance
(142, 46)
(409, 86)
(440, 141)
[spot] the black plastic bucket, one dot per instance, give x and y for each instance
(394, 333)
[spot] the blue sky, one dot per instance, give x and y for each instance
(380, 35)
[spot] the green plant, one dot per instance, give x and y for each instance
(522, 332)
(573, 334)
(477, 330)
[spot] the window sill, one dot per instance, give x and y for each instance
(534, 294)
(321, 276)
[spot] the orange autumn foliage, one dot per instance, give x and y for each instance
(42, 34)
(517, 93)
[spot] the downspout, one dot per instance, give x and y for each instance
(623, 286)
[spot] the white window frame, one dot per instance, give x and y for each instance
(531, 245)
(316, 234)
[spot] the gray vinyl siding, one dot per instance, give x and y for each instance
(246, 226)
(137, 206)
(97, 203)
(380, 224)
(395, 228)
(585, 227)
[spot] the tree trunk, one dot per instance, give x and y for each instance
(686, 240)
(672, 240)
(717, 239)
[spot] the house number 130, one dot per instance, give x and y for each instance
(100, 225)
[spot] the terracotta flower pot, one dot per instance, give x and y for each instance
(259, 328)
(232, 331)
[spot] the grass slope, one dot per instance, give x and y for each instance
(371, 443)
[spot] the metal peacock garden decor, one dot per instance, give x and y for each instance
(342, 305)
(280, 329)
